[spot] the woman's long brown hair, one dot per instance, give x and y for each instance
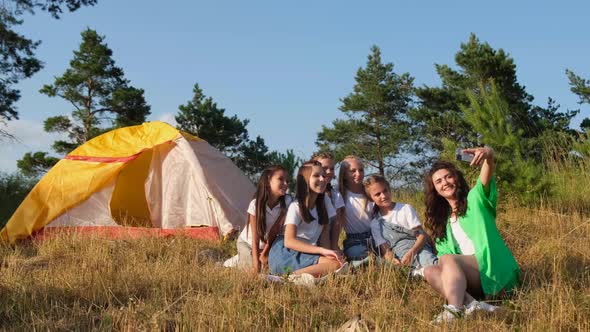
(438, 208)
(262, 195)
(302, 192)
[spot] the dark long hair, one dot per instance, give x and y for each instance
(262, 195)
(438, 208)
(302, 192)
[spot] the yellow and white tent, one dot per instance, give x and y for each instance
(151, 175)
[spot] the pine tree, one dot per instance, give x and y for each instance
(100, 95)
(478, 65)
(376, 127)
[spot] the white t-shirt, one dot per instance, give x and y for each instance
(358, 211)
(308, 232)
(402, 215)
(337, 199)
(465, 243)
(271, 218)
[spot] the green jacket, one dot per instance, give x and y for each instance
(498, 269)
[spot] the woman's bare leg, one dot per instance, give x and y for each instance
(432, 276)
(324, 266)
(454, 277)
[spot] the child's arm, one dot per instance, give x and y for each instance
(274, 231)
(291, 242)
(336, 229)
(255, 243)
(387, 253)
(264, 256)
(324, 240)
(421, 239)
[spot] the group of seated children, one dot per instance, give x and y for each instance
(299, 235)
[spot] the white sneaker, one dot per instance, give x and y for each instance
(479, 306)
(418, 272)
(273, 278)
(450, 313)
(304, 279)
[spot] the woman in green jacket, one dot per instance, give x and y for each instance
(473, 258)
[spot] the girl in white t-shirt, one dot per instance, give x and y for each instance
(331, 235)
(268, 208)
(396, 229)
(358, 210)
(297, 251)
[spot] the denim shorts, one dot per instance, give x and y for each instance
(282, 260)
(402, 240)
(357, 246)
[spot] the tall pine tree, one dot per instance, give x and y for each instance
(100, 95)
(376, 126)
(18, 52)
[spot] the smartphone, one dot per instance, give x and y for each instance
(463, 156)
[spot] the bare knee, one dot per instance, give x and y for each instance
(447, 260)
(431, 272)
(329, 263)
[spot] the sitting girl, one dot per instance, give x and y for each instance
(473, 258)
(358, 211)
(331, 235)
(268, 206)
(297, 251)
(396, 229)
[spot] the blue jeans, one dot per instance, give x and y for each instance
(402, 240)
(357, 246)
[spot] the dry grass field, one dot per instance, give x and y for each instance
(81, 283)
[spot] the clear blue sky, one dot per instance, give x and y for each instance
(285, 66)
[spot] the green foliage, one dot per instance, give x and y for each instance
(18, 52)
(18, 62)
(252, 157)
(376, 127)
(517, 172)
(579, 86)
(36, 164)
(202, 117)
(53, 7)
(13, 190)
(440, 113)
(101, 96)
(290, 161)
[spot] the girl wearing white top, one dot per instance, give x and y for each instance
(297, 252)
(358, 210)
(268, 208)
(396, 229)
(331, 235)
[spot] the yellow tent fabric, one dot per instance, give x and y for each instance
(84, 171)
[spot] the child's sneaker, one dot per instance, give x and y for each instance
(418, 272)
(273, 278)
(450, 313)
(479, 306)
(304, 279)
